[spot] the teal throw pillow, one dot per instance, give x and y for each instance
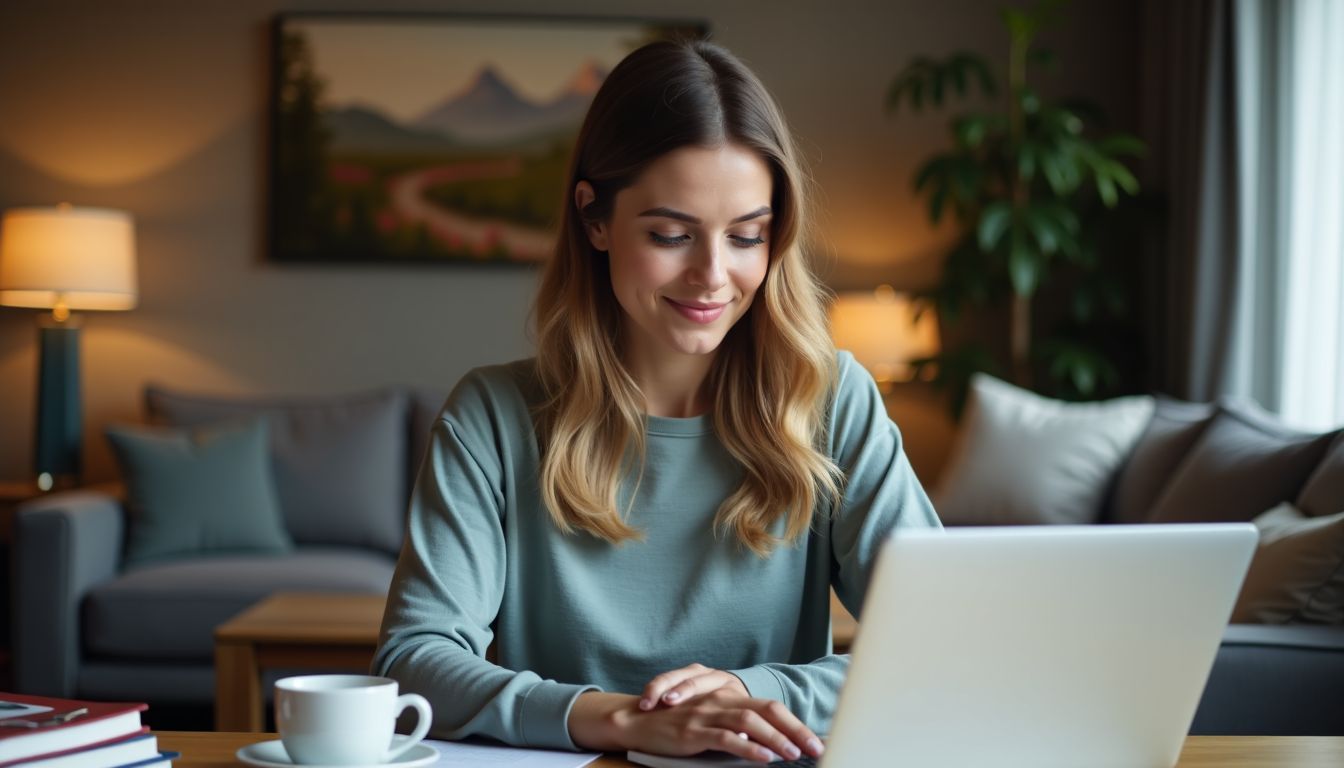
(198, 492)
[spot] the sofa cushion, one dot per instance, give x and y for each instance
(198, 492)
(170, 611)
(1245, 463)
(1172, 432)
(1024, 458)
(340, 461)
(1298, 571)
(426, 405)
(1323, 493)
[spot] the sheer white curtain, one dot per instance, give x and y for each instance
(1288, 334)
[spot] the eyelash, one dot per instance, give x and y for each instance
(672, 242)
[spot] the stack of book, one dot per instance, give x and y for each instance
(40, 732)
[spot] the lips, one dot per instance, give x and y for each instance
(697, 311)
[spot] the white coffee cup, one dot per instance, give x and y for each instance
(345, 719)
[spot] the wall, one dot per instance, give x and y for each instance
(160, 108)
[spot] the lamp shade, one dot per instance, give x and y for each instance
(880, 328)
(83, 258)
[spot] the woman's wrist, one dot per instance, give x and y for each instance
(596, 720)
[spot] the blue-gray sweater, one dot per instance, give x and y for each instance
(482, 560)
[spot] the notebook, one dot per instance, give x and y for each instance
(1039, 647)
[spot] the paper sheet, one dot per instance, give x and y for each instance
(455, 753)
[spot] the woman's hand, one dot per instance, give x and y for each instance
(755, 729)
(686, 683)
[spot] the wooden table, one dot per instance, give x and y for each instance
(314, 630)
(289, 630)
(208, 750)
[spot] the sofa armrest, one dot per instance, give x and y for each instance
(64, 544)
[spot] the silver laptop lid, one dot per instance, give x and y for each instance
(1042, 646)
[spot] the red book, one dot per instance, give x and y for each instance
(58, 728)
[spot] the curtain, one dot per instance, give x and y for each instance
(1188, 120)
(1310, 78)
(1249, 96)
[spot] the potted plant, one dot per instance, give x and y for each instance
(1033, 189)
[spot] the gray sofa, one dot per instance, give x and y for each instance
(1023, 459)
(1232, 462)
(86, 627)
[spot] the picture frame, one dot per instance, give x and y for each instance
(432, 138)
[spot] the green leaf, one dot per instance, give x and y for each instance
(1043, 228)
(1072, 123)
(916, 94)
(934, 169)
(936, 75)
(1122, 144)
(1124, 178)
(1026, 161)
(1029, 101)
(1067, 218)
(957, 69)
(966, 176)
(936, 203)
(970, 131)
(909, 82)
(1052, 167)
(1024, 269)
(1084, 379)
(1106, 189)
(993, 223)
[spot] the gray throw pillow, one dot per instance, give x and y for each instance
(1298, 571)
(208, 491)
(1175, 427)
(1246, 462)
(340, 461)
(1323, 493)
(1023, 458)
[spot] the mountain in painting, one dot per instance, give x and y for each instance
(572, 102)
(358, 128)
(490, 111)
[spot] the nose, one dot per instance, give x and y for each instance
(707, 269)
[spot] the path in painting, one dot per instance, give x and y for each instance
(453, 229)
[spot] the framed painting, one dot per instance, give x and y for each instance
(432, 138)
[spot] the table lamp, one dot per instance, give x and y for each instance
(63, 258)
(885, 330)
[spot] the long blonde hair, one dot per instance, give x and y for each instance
(775, 368)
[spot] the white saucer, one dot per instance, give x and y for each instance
(272, 754)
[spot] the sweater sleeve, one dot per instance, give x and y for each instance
(880, 493)
(447, 590)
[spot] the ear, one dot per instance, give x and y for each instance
(596, 231)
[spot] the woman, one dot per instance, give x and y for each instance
(649, 516)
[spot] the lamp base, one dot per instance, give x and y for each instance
(60, 427)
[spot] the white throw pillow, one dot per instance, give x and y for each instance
(1023, 458)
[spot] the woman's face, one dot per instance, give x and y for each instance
(688, 244)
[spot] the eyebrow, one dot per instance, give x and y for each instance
(670, 213)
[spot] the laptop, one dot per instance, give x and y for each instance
(1039, 647)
